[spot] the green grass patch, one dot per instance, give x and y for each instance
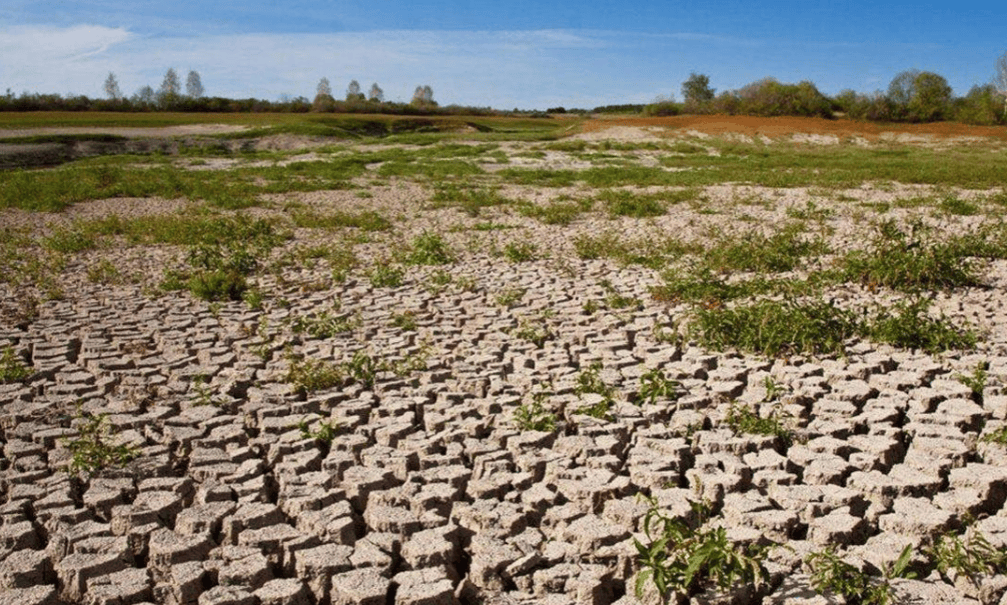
(910, 260)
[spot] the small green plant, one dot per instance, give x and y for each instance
(104, 272)
(94, 448)
(971, 557)
(325, 432)
(774, 390)
(535, 416)
(520, 252)
(253, 297)
(831, 575)
(589, 381)
(615, 300)
(744, 421)
(311, 375)
(775, 328)
(685, 559)
(324, 324)
(621, 202)
(655, 385)
(535, 331)
(510, 296)
(384, 275)
(976, 381)
(363, 369)
(429, 249)
(957, 206)
(405, 321)
(204, 395)
(12, 367)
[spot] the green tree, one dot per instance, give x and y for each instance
(931, 98)
(696, 89)
(376, 94)
(902, 87)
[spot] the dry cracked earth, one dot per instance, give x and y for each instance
(420, 486)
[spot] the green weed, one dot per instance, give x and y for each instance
(909, 326)
(429, 249)
(831, 575)
(469, 200)
(976, 381)
(311, 375)
(556, 213)
(510, 296)
(683, 559)
(12, 367)
(753, 251)
(323, 324)
(654, 385)
(972, 557)
(535, 416)
(744, 421)
(405, 321)
(621, 202)
(775, 328)
(520, 252)
(909, 261)
(535, 331)
(384, 275)
(94, 448)
(325, 433)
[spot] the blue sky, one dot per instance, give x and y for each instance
(522, 53)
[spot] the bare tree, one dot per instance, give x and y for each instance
(194, 85)
(323, 97)
(353, 92)
(1000, 78)
(144, 96)
(376, 94)
(170, 86)
(112, 87)
(423, 95)
(324, 88)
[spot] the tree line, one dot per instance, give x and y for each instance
(912, 96)
(170, 97)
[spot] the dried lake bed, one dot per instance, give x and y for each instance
(464, 370)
